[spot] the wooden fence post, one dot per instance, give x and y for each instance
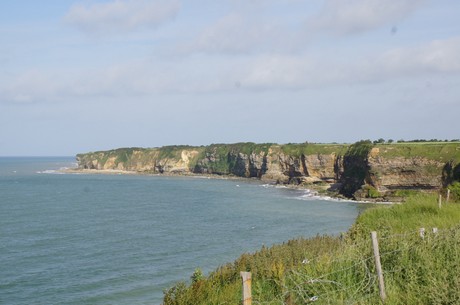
(378, 266)
(422, 233)
(247, 297)
(448, 195)
(439, 200)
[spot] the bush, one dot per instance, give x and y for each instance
(373, 193)
(197, 275)
(455, 191)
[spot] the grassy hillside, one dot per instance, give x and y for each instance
(121, 155)
(437, 151)
(333, 270)
(297, 150)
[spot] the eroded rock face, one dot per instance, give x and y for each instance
(322, 166)
(351, 172)
(252, 165)
(404, 173)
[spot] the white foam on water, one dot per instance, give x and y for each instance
(51, 171)
(313, 195)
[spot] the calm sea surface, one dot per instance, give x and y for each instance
(119, 239)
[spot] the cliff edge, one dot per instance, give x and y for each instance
(361, 170)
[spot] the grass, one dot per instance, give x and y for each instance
(437, 151)
(121, 155)
(333, 270)
(173, 151)
(297, 150)
(420, 210)
(360, 149)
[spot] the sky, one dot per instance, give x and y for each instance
(80, 76)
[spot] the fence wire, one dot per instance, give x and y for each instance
(352, 279)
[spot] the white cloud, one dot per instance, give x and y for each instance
(29, 87)
(355, 16)
(257, 27)
(439, 56)
(237, 33)
(301, 72)
(232, 34)
(121, 15)
(266, 72)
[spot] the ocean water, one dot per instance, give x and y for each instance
(123, 239)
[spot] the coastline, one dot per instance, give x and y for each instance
(317, 192)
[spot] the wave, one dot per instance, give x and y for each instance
(53, 171)
(307, 194)
(313, 195)
(274, 186)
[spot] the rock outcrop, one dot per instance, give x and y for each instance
(361, 170)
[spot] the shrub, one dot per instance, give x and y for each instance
(372, 192)
(197, 275)
(455, 191)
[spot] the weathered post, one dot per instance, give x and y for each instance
(448, 195)
(439, 200)
(422, 233)
(247, 297)
(378, 266)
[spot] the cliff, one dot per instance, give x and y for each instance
(360, 170)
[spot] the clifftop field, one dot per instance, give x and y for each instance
(341, 270)
(363, 170)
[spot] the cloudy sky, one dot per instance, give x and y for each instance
(78, 76)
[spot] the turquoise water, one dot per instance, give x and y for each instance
(122, 239)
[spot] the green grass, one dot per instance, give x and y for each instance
(121, 155)
(420, 210)
(173, 151)
(332, 270)
(438, 151)
(360, 149)
(297, 150)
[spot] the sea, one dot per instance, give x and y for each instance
(75, 238)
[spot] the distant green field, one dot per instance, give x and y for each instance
(438, 151)
(313, 149)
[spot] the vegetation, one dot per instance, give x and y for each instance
(360, 149)
(296, 150)
(172, 151)
(333, 270)
(224, 155)
(427, 141)
(121, 155)
(442, 152)
(372, 192)
(455, 191)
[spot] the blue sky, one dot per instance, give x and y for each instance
(88, 75)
